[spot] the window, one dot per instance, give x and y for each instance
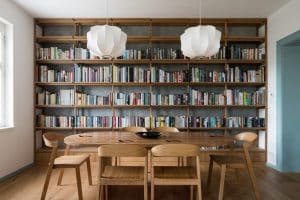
(6, 100)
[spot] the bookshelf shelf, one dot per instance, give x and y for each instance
(160, 37)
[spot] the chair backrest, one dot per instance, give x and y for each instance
(134, 129)
(175, 150)
(166, 129)
(124, 150)
(247, 137)
(51, 139)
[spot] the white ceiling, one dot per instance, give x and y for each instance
(150, 8)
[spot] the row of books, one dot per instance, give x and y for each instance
(201, 75)
(163, 53)
(66, 97)
(88, 99)
(247, 122)
(238, 97)
(131, 74)
(236, 52)
(55, 53)
(133, 98)
(163, 76)
(63, 97)
(246, 76)
(148, 122)
(197, 97)
(206, 98)
(54, 75)
(169, 99)
(141, 75)
(92, 74)
(206, 122)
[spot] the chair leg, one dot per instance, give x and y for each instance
(146, 189)
(253, 182)
(106, 192)
(98, 192)
(61, 173)
(45, 188)
(191, 192)
(88, 165)
(152, 190)
(101, 195)
(222, 181)
(210, 169)
(199, 191)
(78, 180)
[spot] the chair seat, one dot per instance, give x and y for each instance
(71, 160)
(175, 172)
(123, 172)
(227, 159)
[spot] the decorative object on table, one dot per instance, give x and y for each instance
(150, 134)
(200, 41)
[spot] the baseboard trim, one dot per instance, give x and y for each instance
(4, 178)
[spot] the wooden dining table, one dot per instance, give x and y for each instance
(118, 137)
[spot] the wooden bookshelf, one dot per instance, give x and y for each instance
(163, 33)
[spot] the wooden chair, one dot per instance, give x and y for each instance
(180, 160)
(134, 129)
(166, 129)
(121, 175)
(66, 161)
(233, 161)
(172, 175)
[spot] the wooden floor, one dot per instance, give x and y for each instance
(28, 186)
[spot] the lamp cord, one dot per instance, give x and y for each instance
(200, 12)
(106, 11)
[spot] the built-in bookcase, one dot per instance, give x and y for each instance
(152, 84)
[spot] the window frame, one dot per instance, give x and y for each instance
(6, 77)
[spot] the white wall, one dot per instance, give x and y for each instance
(281, 24)
(16, 145)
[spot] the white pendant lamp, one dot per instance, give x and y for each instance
(200, 41)
(106, 41)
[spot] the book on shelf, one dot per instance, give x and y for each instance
(102, 74)
(239, 97)
(237, 75)
(206, 122)
(82, 98)
(159, 75)
(55, 121)
(55, 53)
(237, 52)
(66, 97)
(206, 98)
(93, 122)
(62, 97)
(130, 74)
(169, 99)
(81, 54)
(245, 122)
(165, 121)
(133, 98)
(136, 54)
(54, 75)
(201, 75)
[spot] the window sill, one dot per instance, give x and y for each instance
(4, 129)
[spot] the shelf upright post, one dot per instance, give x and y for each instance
(225, 85)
